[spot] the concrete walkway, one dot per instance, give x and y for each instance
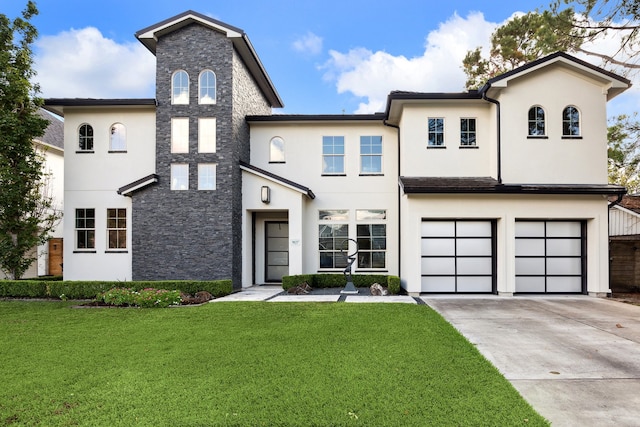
(576, 360)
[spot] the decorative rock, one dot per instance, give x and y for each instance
(301, 289)
(378, 290)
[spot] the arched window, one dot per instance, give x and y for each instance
(180, 87)
(85, 137)
(536, 121)
(117, 137)
(207, 87)
(570, 121)
(276, 150)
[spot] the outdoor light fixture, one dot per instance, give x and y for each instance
(265, 194)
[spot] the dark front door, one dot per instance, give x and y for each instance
(277, 250)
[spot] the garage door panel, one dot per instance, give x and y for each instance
(530, 284)
(438, 228)
(564, 247)
(473, 266)
(564, 266)
(439, 266)
(438, 247)
(530, 229)
(474, 284)
(473, 229)
(466, 247)
(527, 266)
(438, 284)
(564, 229)
(564, 284)
(530, 247)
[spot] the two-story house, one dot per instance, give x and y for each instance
(501, 190)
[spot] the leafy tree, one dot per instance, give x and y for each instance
(624, 159)
(26, 214)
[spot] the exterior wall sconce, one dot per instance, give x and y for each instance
(265, 194)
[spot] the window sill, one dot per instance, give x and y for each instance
(371, 174)
(436, 147)
(468, 147)
(116, 252)
(117, 151)
(537, 137)
(372, 270)
(85, 152)
(80, 251)
(571, 137)
(277, 163)
(334, 174)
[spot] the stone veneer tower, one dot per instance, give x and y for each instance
(195, 234)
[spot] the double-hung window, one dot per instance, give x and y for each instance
(117, 228)
(206, 176)
(333, 234)
(179, 176)
(333, 155)
(372, 238)
(85, 228)
(467, 132)
(371, 155)
(436, 132)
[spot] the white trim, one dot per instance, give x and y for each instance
(256, 173)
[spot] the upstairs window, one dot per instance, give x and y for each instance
(179, 176)
(536, 121)
(436, 132)
(570, 121)
(467, 132)
(118, 137)
(207, 135)
(85, 137)
(371, 155)
(207, 87)
(180, 87)
(276, 150)
(333, 155)
(179, 134)
(206, 176)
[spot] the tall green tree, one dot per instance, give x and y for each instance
(26, 214)
(624, 158)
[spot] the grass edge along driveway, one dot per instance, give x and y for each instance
(246, 364)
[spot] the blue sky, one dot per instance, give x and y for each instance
(323, 56)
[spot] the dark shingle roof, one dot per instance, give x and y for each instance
(54, 134)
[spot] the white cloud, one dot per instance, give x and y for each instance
(85, 64)
(309, 44)
(372, 75)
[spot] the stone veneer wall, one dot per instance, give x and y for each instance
(195, 234)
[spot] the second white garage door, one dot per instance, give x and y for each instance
(458, 256)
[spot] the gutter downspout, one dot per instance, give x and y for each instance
(384, 122)
(497, 103)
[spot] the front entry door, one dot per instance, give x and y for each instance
(277, 250)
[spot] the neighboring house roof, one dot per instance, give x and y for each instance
(273, 177)
(57, 105)
(54, 134)
(484, 185)
(150, 35)
(630, 202)
(616, 84)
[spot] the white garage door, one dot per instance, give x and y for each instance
(550, 256)
(458, 256)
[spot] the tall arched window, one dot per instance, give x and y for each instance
(180, 87)
(570, 121)
(85, 137)
(536, 121)
(276, 150)
(207, 87)
(117, 137)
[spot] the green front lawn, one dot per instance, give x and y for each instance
(246, 364)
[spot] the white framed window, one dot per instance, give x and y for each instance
(333, 235)
(435, 132)
(179, 176)
(207, 135)
(118, 137)
(467, 132)
(333, 155)
(85, 228)
(276, 150)
(536, 121)
(570, 121)
(207, 176)
(207, 87)
(371, 155)
(180, 88)
(85, 137)
(371, 235)
(117, 228)
(179, 134)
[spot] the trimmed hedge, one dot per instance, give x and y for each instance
(90, 289)
(339, 280)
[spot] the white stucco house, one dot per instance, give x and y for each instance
(501, 190)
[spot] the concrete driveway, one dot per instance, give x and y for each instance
(576, 360)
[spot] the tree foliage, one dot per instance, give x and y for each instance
(26, 214)
(624, 159)
(567, 25)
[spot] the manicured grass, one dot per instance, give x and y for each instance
(246, 364)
